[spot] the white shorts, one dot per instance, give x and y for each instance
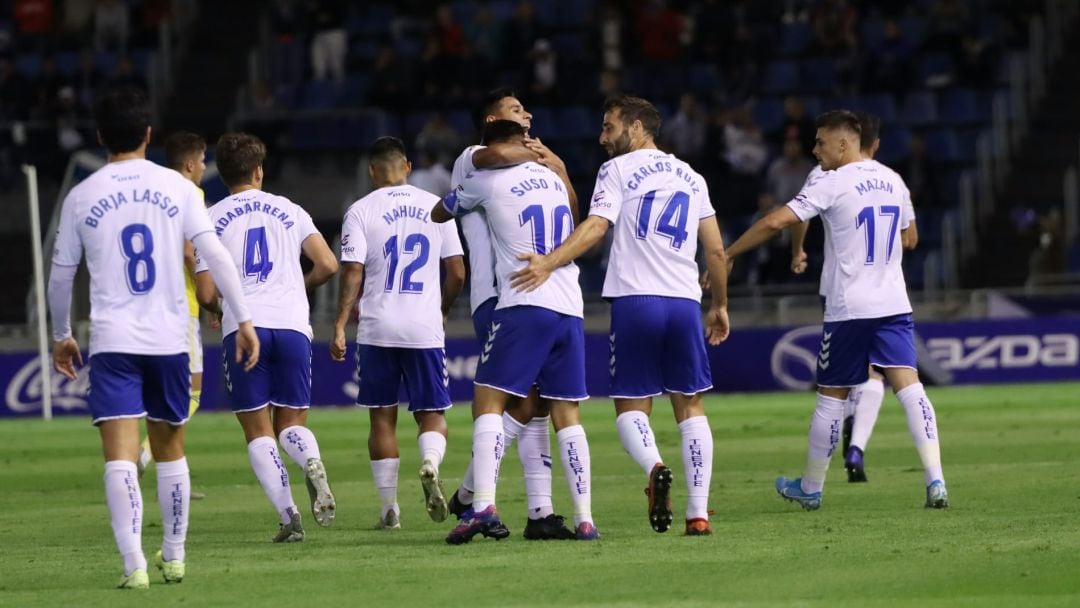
(195, 349)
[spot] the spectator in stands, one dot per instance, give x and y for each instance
(485, 36)
(521, 33)
(16, 94)
(742, 63)
(112, 25)
(610, 29)
(329, 41)
(977, 62)
(439, 139)
(659, 32)
(714, 25)
(447, 31)
(743, 157)
(787, 174)
(835, 23)
(35, 20)
(770, 264)
(87, 78)
(920, 175)
(684, 134)
(430, 175)
(436, 74)
(47, 87)
(1048, 257)
(796, 125)
(125, 75)
(543, 72)
(949, 20)
(391, 79)
(75, 23)
(889, 67)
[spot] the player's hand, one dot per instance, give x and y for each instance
(799, 262)
(337, 345)
(215, 321)
(247, 342)
(533, 275)
(545, 156)
(703, 280)
(65, 356)
(717, 326)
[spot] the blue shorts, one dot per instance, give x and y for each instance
(133, 386)
(481, 318)
(381, 369)
(657, 346)
(529, 345)
(849, 347)
(282, 377)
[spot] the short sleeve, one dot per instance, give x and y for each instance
(451, 242)
(196, 217)
(466, 196)
(908, 215)
(353, 242)
(463, 166)
(200, 263)
(606, 200)
(305, 224)
(67, 249)
(813, 199)
(705, 206)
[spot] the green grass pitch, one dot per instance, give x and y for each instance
(1012, 537)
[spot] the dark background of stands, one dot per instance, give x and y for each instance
(734, 80)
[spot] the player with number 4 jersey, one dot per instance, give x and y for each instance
(867, 312)
(659, 209)
(265, 235)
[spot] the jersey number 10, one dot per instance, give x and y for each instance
(561, 219)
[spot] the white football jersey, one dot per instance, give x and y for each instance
(655, 202)
(527, 211)
(131, 218)
(861, 205)
(264, 234)
(908, 215)
(477, 238)
(391, 233)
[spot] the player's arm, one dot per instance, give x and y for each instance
(217, 260)
(552, 161)
(65, 349)
(189, 257)
(453, 281)
(325, 262)
(717, 326)
(500, 155)
(909, 237)
(763, 230)
(352, 274)
(798, 252)
(206, 293)
(539, 267)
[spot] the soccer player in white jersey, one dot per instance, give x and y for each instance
(534, 338)
(528, 420)
(185, 153)
(265, 235)
(131, 218)
(660, 209)
(864, 402)
(867, 313)
(389, 241)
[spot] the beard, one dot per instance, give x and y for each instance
(619, 145)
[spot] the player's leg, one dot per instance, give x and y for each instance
(686, 376)
(115, 402)
(379, 373)
(249, 397)
(532, 421)
(894, 351)
(842, 363)
(562, 382)
(637, 338)
(166, 392)
(291, 398)
(426, 381)
(866, 398)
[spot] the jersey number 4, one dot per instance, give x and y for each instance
(416, 244)
(257, 255)
(866, 219)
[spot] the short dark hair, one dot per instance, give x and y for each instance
(385, 148)
(839, 119)
(122, 116)
(181, 146)
(238, 155)
(870, 129)
(635, 108)
(501, 130)
(490, 103)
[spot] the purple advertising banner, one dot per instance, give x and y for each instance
(767, 359)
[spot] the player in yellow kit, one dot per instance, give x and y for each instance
(185, 153)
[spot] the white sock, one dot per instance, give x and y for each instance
(124, 497)
(697, 454)
(922, 422)
(534, 449)
(300, 444)
(272, 475)
(174, 498)
(825, 427)
(385, 472)
(511, 430)
(574, 451)
(432, 447)
(637, 439)
(867, 399)
(487, 453)
(465, 491)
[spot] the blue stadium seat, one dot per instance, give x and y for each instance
(67, 62)
(576, 13)
(286, 95)
(942, 146)
(319, 95)
(781, 77)
(966, 145)
(568, 45)
(502, 9)
(795, 38)
(462, 122)
(819, 75)
(913, 30)
(354, 91)
(920, 108)
(543, 122)
(883, 106)
(872, 34)
(894, 144)
(813, 105)
(578, 122)
(769, 113)
(704, 79)
(934, 66)
(961, 107)
(105, 62)
(1074, 257)
(29, 64)
(414, 121)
